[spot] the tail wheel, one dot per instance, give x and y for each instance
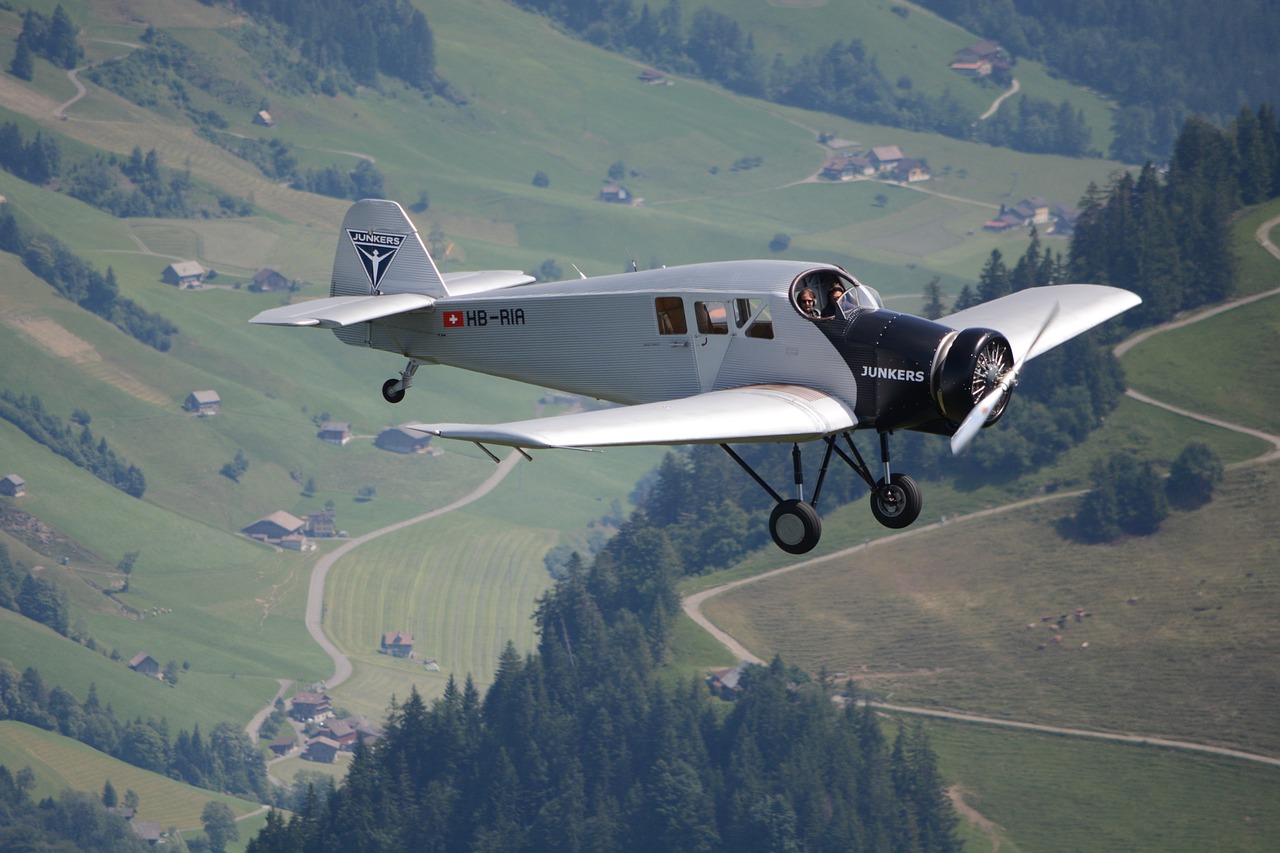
(391, 393)
(795, 526)
(896, 504)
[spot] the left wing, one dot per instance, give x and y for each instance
(1021, 316)
(752, 413)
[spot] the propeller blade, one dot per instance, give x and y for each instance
(977, 417)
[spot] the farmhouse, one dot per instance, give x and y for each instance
(401, 440)
(335, 432)
(652, 76)
(724, 682)
(848, 167)
(322, 749)
(274, 527)
(307, 707)
(145, 664)
(1024, 214)
(263, 118)
(268, 281)
(203, 403)
(397, 644)
(980, 59)
(183, 274)
(13, 486)
(282, 746)
(340, 732)
(322, 524)
(615, 193)
(886, 157)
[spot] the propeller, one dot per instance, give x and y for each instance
(977, 417)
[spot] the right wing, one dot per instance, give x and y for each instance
(751, 413)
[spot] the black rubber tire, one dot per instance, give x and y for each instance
(898, 504)
(795, 526)
(388, 395)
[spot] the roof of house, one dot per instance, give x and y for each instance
(335, 426)
(397, 638)
(305, 698)
(885, 153)
(186, 268)
(15, 479)
(139, 658)
(206, 396)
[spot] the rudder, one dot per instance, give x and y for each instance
(380, 251)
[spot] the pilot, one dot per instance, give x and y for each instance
(833, 298)
(808, 303)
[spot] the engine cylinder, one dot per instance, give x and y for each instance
(970, 368)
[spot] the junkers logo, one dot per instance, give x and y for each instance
(376, 251)
(895, 373)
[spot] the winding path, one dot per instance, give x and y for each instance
(315, 591)
(692, 604)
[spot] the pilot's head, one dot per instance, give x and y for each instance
(837, 290)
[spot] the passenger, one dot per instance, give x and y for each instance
(808, 303)
(833, 299)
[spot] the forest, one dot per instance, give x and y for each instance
(582, 746)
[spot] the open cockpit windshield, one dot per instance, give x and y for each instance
(831, 293)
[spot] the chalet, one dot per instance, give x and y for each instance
(322, 524)
(145, 664)
(397, 644)
(309, 707)
(980, 59)
(335, 432)
(340, 732)
(263, 118)
(1024, 214)
(401, 440)
(274, 527)
(13, 486)
(651, 76)
(886, 158)
(203, 403)
(848, 167)
(321, 749)
(268, 281)
(615, 193)
(183, 274)
(148, 830)
(725, 682)
(912, 171)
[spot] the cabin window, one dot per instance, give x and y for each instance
(754, 314)
(713, 318)
(671, 315)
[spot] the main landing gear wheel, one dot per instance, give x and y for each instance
(897, 503)
(391, 393)
(795, 526)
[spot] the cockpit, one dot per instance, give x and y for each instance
(827, 294)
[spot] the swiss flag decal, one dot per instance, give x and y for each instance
(454, 319)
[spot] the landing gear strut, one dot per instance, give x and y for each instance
(795, 524)
(393, 389)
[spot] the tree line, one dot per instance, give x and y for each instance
(581, 746)
(37, 598)
(28, 414)
(74, 820)
(224, 760)
(1162, 60)
(53, 38)
(843, 78)
(49, 259)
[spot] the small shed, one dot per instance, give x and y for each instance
(203, 403)
(263, 118)
(13, 486)
(335, 432)
(397, 644)
(282, 745)
(268, 281)
(183, 274)
(400, 440)
(145, 664)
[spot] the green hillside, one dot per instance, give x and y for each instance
(232, 610)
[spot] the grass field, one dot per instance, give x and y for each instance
(60, 762)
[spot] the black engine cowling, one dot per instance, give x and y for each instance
(969, 370)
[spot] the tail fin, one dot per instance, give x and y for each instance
(379, 251)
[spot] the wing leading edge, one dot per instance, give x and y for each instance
(752, 413)
(1021, 316)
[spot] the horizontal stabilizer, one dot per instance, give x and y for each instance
(480, 281)
(752, 413)
(338, 311)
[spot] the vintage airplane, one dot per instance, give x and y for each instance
(735, 351)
